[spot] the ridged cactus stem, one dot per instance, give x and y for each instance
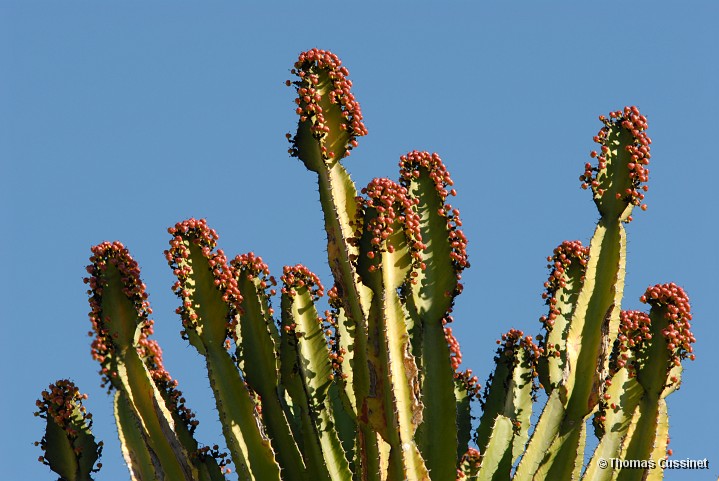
(307, 365)
(429, 303)
(258, 343)
(140, 459)
(510, 394)
(389, 253)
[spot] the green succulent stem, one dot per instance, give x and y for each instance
(309, 364)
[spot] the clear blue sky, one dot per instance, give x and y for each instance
(116, 121)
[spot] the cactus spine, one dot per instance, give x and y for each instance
(371, 388)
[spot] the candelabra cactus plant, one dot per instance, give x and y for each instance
(371, 389)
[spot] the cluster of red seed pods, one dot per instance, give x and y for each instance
(62, 403)
(299, 277)
(393, 207)
(410, 166)
(330, 326)
(674, 303)
(564, 255)
(470, 382)
(632, 121)
(196, 232)
(311, 68)
(223, 460)
(117, 255)
(455, 354)
(255, 268)
(469, 464)
(509, 344)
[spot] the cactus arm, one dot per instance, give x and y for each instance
(596, 318)
(659, 350)
(389, 253)
(140, 459)
(463, 398)
(257, 345)
(443, 257)
(120, 319)
(544, 433)
(498, 451)
(312, 366)
(510, 394)
(330, 122)
(615, 184)
(567, 269)
(210, 304)
(68, 445)
(618, 417)
(565, 458)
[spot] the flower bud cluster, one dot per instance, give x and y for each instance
(566, 254)
(321, 74)
(469, 464)
(255, 269)
(206, 452)
(196, 232)
(509, 345)
(337, 352)
(634, 330)
(300, 277)
(470, 382)
(62, 403)
(393, 207)
(674, 303)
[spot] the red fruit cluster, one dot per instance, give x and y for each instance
(674, 303)
(564, 255)
(470, 382)
(513, 340)
(196, 232)
(311, 89)
(254, 268)
(117, 255)
(631, 120)
(455, 354)
(223, 461)
(634, 329)
(299, 276)
(410, 166)
(393, 206)
(469, 464)
(337, 353)
(62, 403)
